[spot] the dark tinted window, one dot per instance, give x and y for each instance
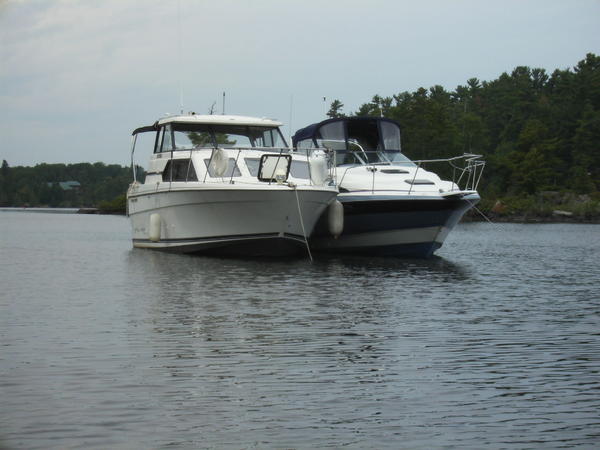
(179, 170)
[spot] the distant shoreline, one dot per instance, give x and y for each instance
(528, 219)
(49, 210)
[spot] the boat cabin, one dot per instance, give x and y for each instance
(196, 131)
(191, 148)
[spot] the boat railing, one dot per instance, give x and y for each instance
(464, 170)
(467, 170)
(235, 153)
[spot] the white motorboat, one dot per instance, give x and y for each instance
(391, 205)
(226, 185)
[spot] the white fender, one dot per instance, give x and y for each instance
(219, 162)
(154, 228)
(318, 167)
(335, 218)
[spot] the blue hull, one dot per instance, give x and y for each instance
(393, 227)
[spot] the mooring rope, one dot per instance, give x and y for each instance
(481, 213)
(302, 225)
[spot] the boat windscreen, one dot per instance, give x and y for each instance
(226, 136)
(390, 133)
(333, 131)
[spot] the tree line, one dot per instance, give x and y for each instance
(41, 185)
(537, 131)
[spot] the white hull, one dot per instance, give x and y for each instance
(261, 220)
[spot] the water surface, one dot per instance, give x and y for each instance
(495, 343)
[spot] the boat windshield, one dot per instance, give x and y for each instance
(360, 140)
(186, 136)
(353, 152)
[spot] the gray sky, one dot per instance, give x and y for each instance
(76, 77)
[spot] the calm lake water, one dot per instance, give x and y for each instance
(495, 343)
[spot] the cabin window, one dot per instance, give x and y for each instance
(305, 143)
(228, 136)
(167, 140)
(179, 170)
(391, 135)
(159, 139)
(333, 131)
(232, 169)
(269, 138)
(300, 169)
(347, 157)
(190, 136)
(188, 140)
(252, 165)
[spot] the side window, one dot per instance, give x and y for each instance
(305, 143)
(299, 169)
(252, 165)
(267, 138)
(159, 140)
(179, 170)
(167, 141)
(391, 135)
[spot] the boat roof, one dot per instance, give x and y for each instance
(211, 120)
(312, 131)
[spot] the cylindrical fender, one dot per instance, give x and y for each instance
(154, 228)
(335, 218)
(318, 167)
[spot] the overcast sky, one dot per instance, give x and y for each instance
(76, 77)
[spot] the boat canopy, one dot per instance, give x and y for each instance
(199, 119)
(147, 129)
(371, 133)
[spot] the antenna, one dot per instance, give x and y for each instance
(179, 56)
(223, 110)
(290, 122)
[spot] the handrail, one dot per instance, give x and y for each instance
(473, 167)
(133, 141)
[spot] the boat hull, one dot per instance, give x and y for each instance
(393, 226)
(227, 221)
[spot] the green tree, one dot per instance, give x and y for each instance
(586, 152)
(335, 109)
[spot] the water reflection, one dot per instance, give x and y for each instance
(245, 314)
(496, 342)
(272, 338)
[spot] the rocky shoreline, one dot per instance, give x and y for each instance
(527, 218)
(544, 207)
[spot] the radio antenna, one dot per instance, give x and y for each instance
(223, 111)
(290, 122)
(180, 55)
